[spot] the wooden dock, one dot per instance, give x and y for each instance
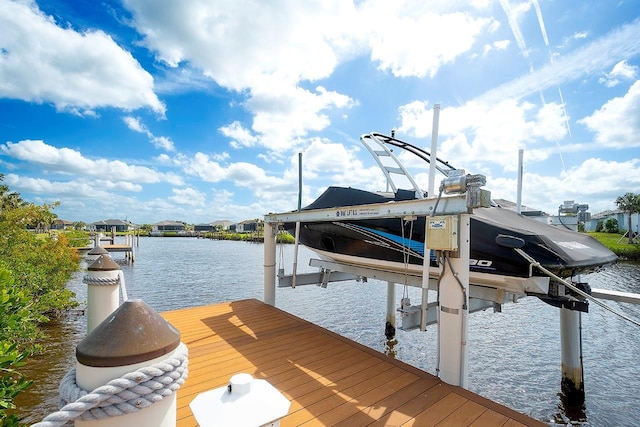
(329, 379)
(121, 248)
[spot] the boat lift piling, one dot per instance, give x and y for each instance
(390, 324)
(572, 383)
(270, 232)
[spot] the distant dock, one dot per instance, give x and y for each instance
(328, 379)
(112, 247)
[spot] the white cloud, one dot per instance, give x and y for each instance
(596, 182)
(66, 161)
(622, 70)
(187, 197)
(285, 113)
(136, 125)
(240, 43)
(267, 50)
(241, 174)
(476, 134)
(417, 38)
(77, 72)
(617, 123)
(497, 45)
(240, 136)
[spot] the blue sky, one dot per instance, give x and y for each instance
(196, 110)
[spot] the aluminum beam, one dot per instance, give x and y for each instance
(448, 205)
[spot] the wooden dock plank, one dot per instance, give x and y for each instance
(383, 410)
(328, 379)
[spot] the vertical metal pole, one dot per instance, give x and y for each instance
(434, 149)
(453, 310)
(390, 325)
(572, 383)
(426, 267)
(269, 264)
(297, 236)
(431, 193)
(520, 172)
(424, 303)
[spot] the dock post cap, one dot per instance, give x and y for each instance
(133, 333)
(104, 263)
(98, 250)
(244, 402)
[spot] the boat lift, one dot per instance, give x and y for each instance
(457, 296)
(448, 234)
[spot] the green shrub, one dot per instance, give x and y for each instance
(611, 225)
(18, 332)
(77, 238)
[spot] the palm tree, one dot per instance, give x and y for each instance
(9, 199)
(629, 204)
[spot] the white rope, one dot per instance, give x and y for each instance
(127, 394)
(100, 281)
(108, 281)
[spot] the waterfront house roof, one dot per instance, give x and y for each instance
(605, 214)
(169, 222)
(110, 222)
(251, 221)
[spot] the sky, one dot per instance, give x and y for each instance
(197, 110)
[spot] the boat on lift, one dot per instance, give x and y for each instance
(397, 244)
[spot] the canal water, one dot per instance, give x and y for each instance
(514, 356)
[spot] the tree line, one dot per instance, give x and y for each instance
(34, 270)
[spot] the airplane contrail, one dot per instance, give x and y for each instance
(543, 30)
(515, 29)
(621, 43)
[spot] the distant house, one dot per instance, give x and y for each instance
(212, 226)
(108, 224)
(223, 224)
(248, 226)
(61, 224)
(174, 226)
(204, 227)
(618, 215)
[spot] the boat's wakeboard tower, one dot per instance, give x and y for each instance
(378, 146)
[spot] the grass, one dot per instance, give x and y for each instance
(623, 249)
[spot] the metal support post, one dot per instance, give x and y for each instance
(453, 310)
(269, 263)
(572, 384)
(390, 325)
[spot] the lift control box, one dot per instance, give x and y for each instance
(442, 233)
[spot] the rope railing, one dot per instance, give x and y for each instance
(108, 281)
(130, 393)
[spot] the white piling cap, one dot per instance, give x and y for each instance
(244, 402)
